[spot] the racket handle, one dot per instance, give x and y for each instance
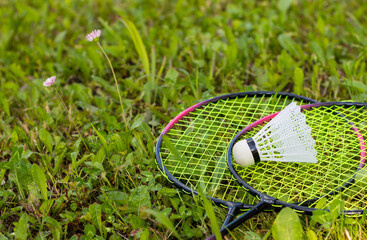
(212, 237)
(258, 208)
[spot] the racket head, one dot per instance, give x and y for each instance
(339, 130)
(191, 149)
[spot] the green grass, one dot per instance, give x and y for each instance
(53, 186)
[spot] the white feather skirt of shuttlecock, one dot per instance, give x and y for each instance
(286, 138)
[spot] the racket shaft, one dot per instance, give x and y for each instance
(258, 208)
(230, 215)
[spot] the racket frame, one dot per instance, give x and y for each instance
(268, 202)
(233, 207)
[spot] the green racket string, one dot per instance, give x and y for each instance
(202, 137)
(338, 157)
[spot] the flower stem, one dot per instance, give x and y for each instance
(71, 118)
(117, 87)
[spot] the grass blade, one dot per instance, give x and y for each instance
(172, 148)
(21, 232)
(96, 217)
(103, 140)
(291, 46)
(40, 179)
(287, 226)
(164, 220)
(210, 211)
(298, 80)
(283, 5)
(46, 138)
(55, 227)
(138, 43)
(316, 48)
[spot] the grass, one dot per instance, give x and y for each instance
(52, 186)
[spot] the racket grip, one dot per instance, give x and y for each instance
(212, 237)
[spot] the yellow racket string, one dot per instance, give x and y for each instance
(339, 156)
(201, 139)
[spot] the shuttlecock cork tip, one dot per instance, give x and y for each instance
(242, 154)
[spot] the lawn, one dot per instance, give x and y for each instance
(77, 159)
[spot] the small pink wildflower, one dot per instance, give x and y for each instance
(49, 81)
(93, 35)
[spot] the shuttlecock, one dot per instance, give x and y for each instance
(286, 138)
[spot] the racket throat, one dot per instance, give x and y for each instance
(265, 203)
(232, 211)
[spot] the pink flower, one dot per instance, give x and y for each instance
(49, 81)
(93, 35)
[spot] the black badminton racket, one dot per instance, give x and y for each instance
(191, 149)
(339, 130)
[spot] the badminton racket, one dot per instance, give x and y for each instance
(191, 149)
(339, 130)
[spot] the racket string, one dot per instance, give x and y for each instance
(340, 152)
(206, 138)
(189, 178)
(249, 111)
(206, 142)
(197, 164)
